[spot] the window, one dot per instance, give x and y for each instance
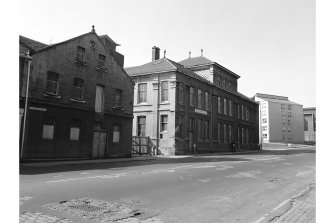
(142, 93)
(52, 83)
(225, 138)
(305, 125)
(118, 97)
(99, 98)
(75, 129)
(229, 85)
(219, 125)
(206, 127)
(219, 105)
(141, 123)
(247, 136)
(206, 101)
(242, 112)
(101, 61)
(289, 107)
(230, 134)
(98, 125)
(181, 93)
(219, 81)
(164, 123)
(243, 135)
(78, 89)
(238, 111)
(230, 108)
(289, 114)
(265, 136)
(192, 96)
(164, 91)
(264, 120)
(80, 54)
(264, 128)
(199, 129)
(116, 132)
(284, 136)
(288, 122)
(224, 83)
(179, 129)
(191, 127)
(247, 113)
(48, 127)
(283, 106)
(225, 106)
(200, 99)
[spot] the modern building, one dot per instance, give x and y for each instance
(310, 125)
(80, 99)
(191, 106)
(281, 120)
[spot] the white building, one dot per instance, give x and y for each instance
(281, 120)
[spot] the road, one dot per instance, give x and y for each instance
(203, 188)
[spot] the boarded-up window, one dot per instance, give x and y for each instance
(52, 83)
(164, 91)
(75, 129)
(99, 99)
(141, 123)
(116, 132)
(142, 93)
(48, 127)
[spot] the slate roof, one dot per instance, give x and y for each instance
(30, 44)
(275, 99)
(162, 65)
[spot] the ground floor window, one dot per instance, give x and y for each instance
(75, 129)
(206, 127)
(141, 123)
(230, 134)
(225, 137)
(48, 127)
(116, 132)
(164, 123)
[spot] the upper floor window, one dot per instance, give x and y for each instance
(224, 83)
(247, 113)
(206, 101)
(219, 105)
(264, 120)
(192, 96)
(289, 107)
(80, 54)
(118, 97)
(289, 114)
(225, 107)
(101, 61)
(238, 111)
(52, 83)
(164, 91)
(200, 102)
(78, 89)
(142, 93)
(282, 106)
(243, 112)
(229, 85)
(181, 93)
(219, 81)
(230, 108)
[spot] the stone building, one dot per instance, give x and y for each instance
(185, 106)
(310, 124)
(80, 102)
(281, 120)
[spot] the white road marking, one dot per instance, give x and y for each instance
(200, 167)
(85, 178)
(204, 180)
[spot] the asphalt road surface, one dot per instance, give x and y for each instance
(203, 188)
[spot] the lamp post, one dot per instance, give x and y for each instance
(28, 59)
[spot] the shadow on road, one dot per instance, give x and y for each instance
(119, 165)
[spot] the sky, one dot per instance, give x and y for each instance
(269, 43)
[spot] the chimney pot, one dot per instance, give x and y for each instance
(155, 53)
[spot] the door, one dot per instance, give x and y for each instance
(99, 145)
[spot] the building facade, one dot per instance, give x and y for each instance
(310, 125)
(184, 109)
(281, 120)
(79, 99)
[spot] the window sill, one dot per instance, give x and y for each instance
(101, 68)
(77, 100)
(164, 103)
(118, 108)
(80, 62)
(52, 95)
(142, 104)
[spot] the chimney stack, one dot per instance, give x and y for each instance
(155, 53)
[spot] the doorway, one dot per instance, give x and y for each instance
(99, 145)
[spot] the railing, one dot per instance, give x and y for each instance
(143, 145)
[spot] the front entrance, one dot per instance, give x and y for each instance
(99, 145)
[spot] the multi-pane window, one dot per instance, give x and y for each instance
(264, 120)
(247, 113)
(200, 99)
(52, 83)
(219, 105)
(48, 127)
(180, 127)
(164, 123)
(141, 123)
(118, 97)
(242, 112)
(289, 114)
(98, 125)
(230, 138)
(206, 101)
(225, 106)
(238, 111)
(192, 96)
(99, 98)
(75, 129)
(142, 93)
(230, 108)
(247, 138)
(164, 91)
(181, 93)
(116, 132)
(219, 131)
(219, 81)
(101, 61)
(206, 127)
(78, 89)
(224, 83)
(289, 107)
(80, 54)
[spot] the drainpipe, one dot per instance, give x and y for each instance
(212, 119)
(157, 111)
(28, 58)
